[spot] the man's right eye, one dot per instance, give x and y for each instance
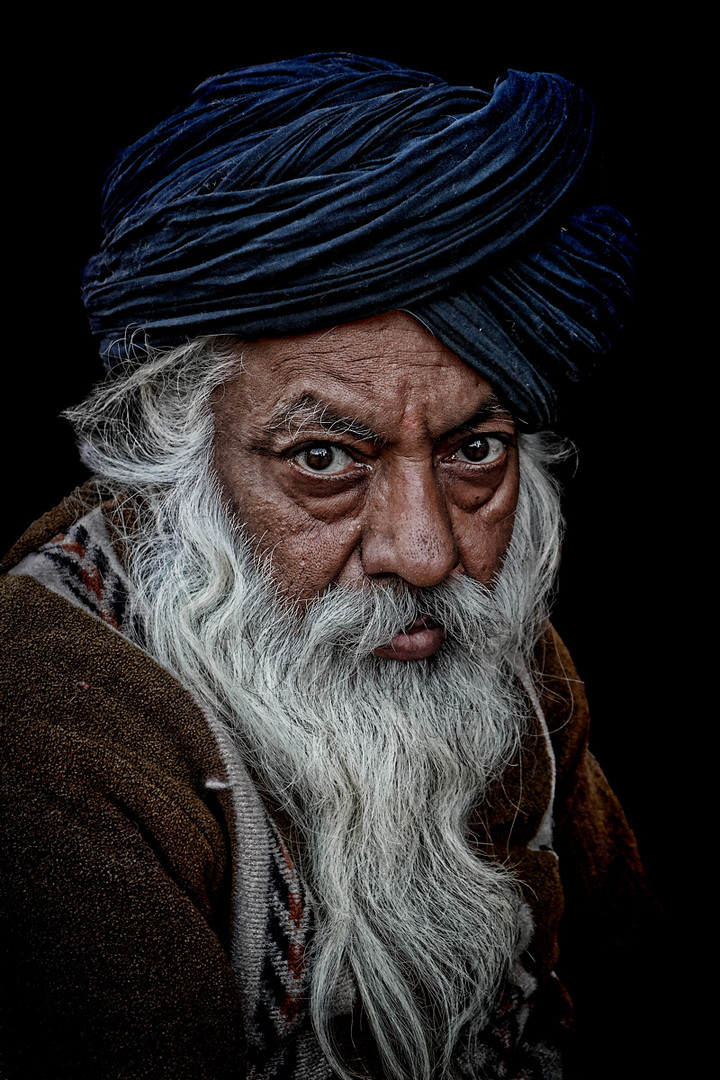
(323, 458)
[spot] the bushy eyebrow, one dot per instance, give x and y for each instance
(492, 409)
(309, 411)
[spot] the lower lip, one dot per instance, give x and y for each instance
(420, 641)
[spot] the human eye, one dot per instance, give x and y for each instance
(323, 459)
(482, 449)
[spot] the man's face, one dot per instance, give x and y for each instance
(368, 453)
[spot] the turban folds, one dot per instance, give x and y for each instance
(298, 195)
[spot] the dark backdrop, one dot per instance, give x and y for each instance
(83, 91)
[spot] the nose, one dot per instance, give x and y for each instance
(407, 531)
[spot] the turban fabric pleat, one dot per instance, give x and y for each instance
(293, 196)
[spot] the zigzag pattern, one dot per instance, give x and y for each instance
(78, 563)
(281, 1013)
(282, 1001)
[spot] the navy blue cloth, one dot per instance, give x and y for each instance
(297, 195)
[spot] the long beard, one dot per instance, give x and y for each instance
(378, 763)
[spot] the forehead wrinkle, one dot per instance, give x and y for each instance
(334, 369)
(334, 380)
(339, 361)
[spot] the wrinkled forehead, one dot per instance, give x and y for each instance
(386, 372)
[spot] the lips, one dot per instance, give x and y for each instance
(422, 639)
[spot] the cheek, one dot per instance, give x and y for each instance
(307, 554)
(484, 536)
(307, 557)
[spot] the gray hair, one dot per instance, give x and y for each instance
(378, 764)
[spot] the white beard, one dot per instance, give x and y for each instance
(378, 763)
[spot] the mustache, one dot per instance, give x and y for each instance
(359, 619)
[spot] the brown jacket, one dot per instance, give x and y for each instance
(137, 868)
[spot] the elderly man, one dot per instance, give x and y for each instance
(297, 769)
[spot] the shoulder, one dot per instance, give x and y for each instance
(56, 520)
(117, 867)
(70, 668)
(91, 721)
(65, 667)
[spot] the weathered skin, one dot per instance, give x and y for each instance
(426, 498)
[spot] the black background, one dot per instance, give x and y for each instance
(80, 91)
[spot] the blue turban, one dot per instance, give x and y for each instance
(298, 195)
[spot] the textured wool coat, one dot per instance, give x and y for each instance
(155, 924)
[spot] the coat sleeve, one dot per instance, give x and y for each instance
(113, 964)
(115, 880)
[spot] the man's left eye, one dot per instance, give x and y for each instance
(481, 450)
(323, 459)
